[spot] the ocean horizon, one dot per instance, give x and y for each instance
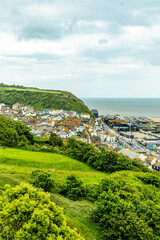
(138, 107)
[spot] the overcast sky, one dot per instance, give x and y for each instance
(93, 48)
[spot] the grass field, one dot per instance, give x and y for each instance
(41, 99)
(30, 89)
(17, 165)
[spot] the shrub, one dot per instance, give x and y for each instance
(73, 188)
(43, 180)
(149, 178)
(54, 140)
(117, 219)
(141, 166)
(91, 192)
(99, 158)
(13, 132)
(26, 213)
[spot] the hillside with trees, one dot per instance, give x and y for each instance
(41, 99)
(103, 195)
(118, 205)
(13, 133)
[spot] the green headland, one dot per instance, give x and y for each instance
(41, 99)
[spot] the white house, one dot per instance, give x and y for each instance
(133, 155)
(1, 105)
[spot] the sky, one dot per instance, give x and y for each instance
(93, 48)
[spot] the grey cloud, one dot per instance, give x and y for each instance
(43, 30)
(104, 55)
(54, 19)
(97, 26)
(45, 57)
(146, 54)
(103, 41)
(29, 20)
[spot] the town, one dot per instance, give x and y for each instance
(134, 137)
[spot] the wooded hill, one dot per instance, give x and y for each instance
(14, 132)
(40, 98)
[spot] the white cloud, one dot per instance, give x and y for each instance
(92, 48)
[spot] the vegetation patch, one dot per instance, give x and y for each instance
(26, 213)
(41, 99)
(13, 133)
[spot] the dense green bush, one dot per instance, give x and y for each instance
(91, 192)
(128, 209)
(138, 166)
(43, 180)
(41, 140)
(54, 140)
(149, 178)
(13, 132)
(26, 213)
(73, 188)
(117, 219)
(100, 159)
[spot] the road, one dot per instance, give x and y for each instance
(129, 143)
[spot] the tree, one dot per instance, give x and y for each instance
(14, 132)
(73, 188)
(43, 180)
(118, 219)
(28, 214)
(54, 140)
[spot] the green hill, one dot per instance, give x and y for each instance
(103, 195)
(40, 98)
(17, 165)
(14, 132)
(21, 161)
(128, 203)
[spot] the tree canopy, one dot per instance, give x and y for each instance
(14, 132)
(54, 140)
(100, 159)
(128, 209)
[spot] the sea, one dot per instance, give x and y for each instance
(138, 107)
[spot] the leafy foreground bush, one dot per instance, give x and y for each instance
(150, 178)
(128, 209)
(28, 214)
(118, 219)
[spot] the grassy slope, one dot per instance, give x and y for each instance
(20, 161)
(41, 98)
(16, 166)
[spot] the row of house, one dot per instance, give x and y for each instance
(64, 123)
(78, 125)
(150, 160)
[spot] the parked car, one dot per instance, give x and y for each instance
(3, 147)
